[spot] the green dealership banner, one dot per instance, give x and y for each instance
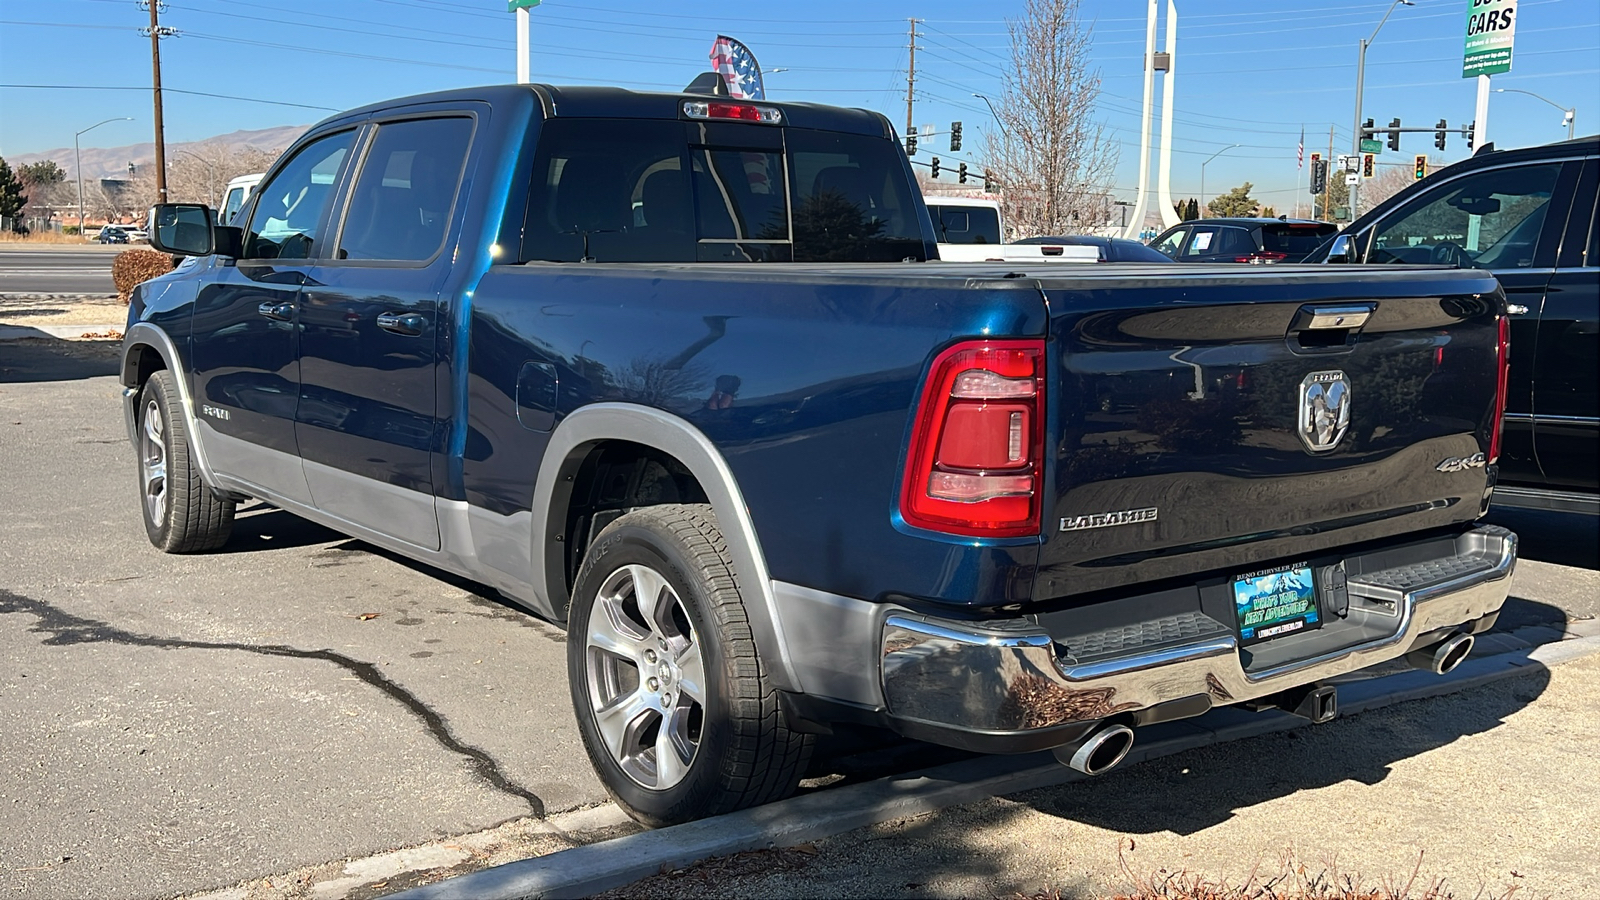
(1491, 29)
(514, 5)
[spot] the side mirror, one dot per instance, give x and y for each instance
(1342, 249)
(182, 229)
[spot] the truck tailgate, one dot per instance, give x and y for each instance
(1203, 424)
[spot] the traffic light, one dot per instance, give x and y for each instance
(1319, 174)
(1471, 127)
(1422, 166)
(1367, 131)
(961, 174)
(988, 181)
(1394, 134)
(955, 137)
(1438, 136)
(911, 144)
(935, 167)
(1368, 161)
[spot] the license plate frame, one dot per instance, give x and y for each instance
(1276, 602)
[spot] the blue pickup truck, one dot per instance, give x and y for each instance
(684, 374)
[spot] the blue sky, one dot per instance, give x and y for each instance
(1250, 72)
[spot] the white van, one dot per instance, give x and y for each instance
(238, 192)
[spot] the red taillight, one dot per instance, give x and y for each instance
(1262, 257)
(976, 463)
(1502, 386)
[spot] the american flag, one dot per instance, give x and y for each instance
(1300, 151)
(738, 67)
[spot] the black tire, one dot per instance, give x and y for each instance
(744, 753)
(181, 514)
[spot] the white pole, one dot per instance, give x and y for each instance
(1480, 116)
(522, 47)
(1137, 224)
(1169, 216)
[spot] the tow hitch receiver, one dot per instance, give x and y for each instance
(1317, 703)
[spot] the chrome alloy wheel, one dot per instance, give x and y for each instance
(153, 461)
(646, 677)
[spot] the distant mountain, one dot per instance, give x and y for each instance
(112, 162)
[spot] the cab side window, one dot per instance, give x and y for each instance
(288, 214)
(1490, 220)
(400, 206)
(1169, 245)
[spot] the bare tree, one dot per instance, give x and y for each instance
(199, 173)
(1053, 161)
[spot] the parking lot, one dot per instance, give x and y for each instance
(182, 723)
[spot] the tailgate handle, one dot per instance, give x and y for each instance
(1351, 317)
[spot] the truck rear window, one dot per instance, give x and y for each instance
(1295, 239)
(632, 190)
(965, 224)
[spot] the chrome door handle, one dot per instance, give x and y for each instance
(281, 312)
(408, 324)
(1516, 309)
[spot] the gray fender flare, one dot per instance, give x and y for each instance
(144, 334)
(589, 425)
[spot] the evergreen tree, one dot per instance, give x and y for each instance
(12, 199)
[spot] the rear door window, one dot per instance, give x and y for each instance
(1294, 239)
(639, 191)
(400, 206)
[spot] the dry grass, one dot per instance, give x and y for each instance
(39, 237)
(1290, 879)
(132, 267)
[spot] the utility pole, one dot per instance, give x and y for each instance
(1327, 183)
(157, 32)
(911, 79)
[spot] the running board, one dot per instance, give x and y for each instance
(1553, 501)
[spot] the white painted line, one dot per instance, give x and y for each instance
(590, 869)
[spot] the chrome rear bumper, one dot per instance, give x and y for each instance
(1013, 678)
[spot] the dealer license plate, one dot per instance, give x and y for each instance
(1276, 602)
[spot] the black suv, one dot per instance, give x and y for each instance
(1529, 216)
(1244, 240)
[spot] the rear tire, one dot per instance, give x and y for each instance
(181, 514)
(673, 700)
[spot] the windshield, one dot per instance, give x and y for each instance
(631, 190)
(959, 224)
(1295, 239)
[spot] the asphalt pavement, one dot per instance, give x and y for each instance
(57, 269)
(183, 723)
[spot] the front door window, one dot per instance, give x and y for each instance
(1490, 220)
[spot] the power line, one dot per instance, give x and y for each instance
(168, 90)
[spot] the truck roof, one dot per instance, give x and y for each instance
(581, 101)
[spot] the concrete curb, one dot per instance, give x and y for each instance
(60, 332)
(590, 869)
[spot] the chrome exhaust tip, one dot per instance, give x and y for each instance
(1100, 752)
(1443, 656)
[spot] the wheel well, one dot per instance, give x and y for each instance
(610, 479)
(141, 362)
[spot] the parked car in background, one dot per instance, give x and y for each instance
(1243, 240)
(239, 190)
(969, 230)
(112, 234)
(1109, 249)
(136, 234)
(1529, 216)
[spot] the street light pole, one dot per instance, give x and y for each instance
(997, 120)
(211, 176)
(1203, 177)
(77, 164)
(1361, 74)
(1569, 113)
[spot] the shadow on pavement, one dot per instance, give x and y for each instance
(1565, 539)
(44, 358)
(262, 527)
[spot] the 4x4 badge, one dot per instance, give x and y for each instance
(1324, 409)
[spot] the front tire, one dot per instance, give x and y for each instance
(673, 701)
(181, 514)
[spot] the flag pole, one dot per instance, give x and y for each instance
(522, 45)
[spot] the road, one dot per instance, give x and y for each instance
(67, 269)
(181, 723)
